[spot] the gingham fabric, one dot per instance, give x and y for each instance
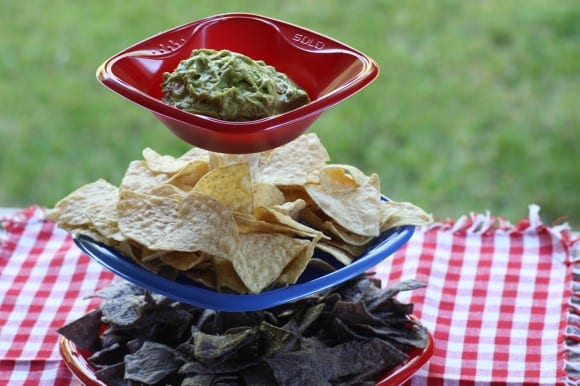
(44, 280)
(496, 301)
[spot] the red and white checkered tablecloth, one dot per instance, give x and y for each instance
(501, 300)
(43, 281)
(496, 300)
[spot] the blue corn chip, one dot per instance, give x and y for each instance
(152, 363)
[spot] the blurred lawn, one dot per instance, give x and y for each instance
(476, 107)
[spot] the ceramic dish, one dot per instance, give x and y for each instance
(186, 291)
(328, 70)
(76, 361)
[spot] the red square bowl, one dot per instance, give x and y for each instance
(327, 69)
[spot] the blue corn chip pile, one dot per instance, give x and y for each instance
(350, 335)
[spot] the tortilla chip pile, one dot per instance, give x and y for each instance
(352, 335)
(236, 223)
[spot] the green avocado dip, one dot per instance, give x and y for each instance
(230, 86)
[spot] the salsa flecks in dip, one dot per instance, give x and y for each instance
(230, 86)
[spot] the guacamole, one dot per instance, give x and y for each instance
(230, 86)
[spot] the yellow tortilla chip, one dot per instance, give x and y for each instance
(295, 163)
(291, 208)
(195, 154)
(220, 160)
(351, 250)
(262, 257)
(136, 251)
(90, 209)
(274, 216)
(162, 163)
(146, 218)
(146, 254)
(186, 178)
(295, 192)
(168, 190)
(205, 277)
(356, 210)
(395, 213)
(335, 252)
(296, 267)
(139, 178)
(345, 235)
(339, 178)
(227, 278)
(266, 194)
(313, 217)
(231, 185)
(93, 234)
(250, 224)
(72, 209)
(197, 223)
(183, 261)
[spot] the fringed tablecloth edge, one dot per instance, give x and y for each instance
(481, 224)
(572, 334)
(19, 218)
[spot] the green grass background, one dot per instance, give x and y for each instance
(476, 107)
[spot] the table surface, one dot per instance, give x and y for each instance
(493, 296)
